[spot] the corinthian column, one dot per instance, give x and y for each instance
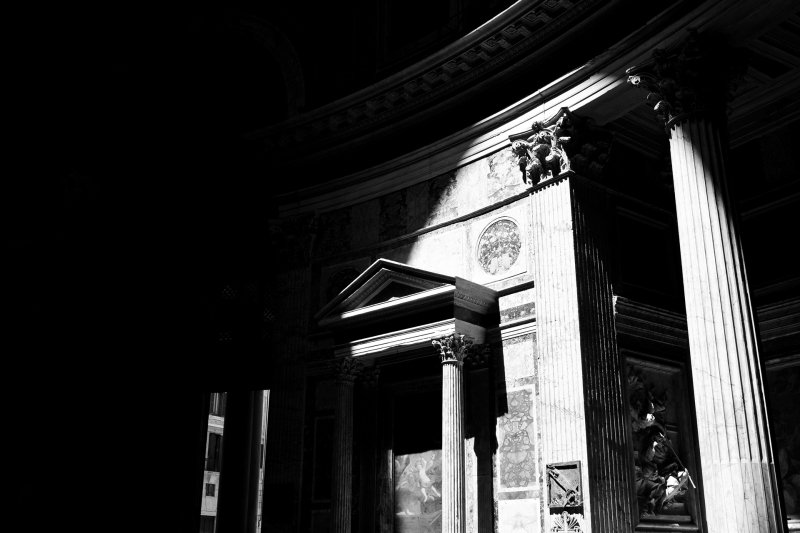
(347, 369)
(452, 349)
(689, 87)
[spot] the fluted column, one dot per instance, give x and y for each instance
(690, 87)
(452, 349)
(347, 369)
(739, 475)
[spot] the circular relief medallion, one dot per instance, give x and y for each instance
(499, 246)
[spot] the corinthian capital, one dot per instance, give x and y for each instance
(347, 369)
(694, 75)
(478, 356)
(452, 347)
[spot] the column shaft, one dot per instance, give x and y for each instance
(739, 478)
(453, 514)
(343, 457)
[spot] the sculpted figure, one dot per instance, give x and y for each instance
(542, 155)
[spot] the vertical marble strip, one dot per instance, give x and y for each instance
(739, 478)
(558, 330)
(342, 457)
(610, 463)
(453, 512)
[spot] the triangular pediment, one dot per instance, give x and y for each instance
(384, 281)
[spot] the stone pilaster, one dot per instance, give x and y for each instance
(453, 349)
(738, 473)
(347, 369)
(581, 386)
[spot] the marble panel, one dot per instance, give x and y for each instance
(442, 199)
(441, 252)
(472, 191)
(515, 300)
(518, 516)
(364, 222)
(518, 360)
(516, 440)
(503, 178)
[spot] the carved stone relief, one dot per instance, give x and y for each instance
(564, 486)
(499, 247)
(565, 142)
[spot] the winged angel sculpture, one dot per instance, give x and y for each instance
(542, 155)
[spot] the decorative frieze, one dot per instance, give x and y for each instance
(697, 74)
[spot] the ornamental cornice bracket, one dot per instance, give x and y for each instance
(564, 142)
(698, 74)
(453, 348)
(347, 369)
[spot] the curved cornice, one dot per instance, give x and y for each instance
(598, 89)
(474, 57)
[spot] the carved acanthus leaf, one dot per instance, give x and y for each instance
(347, 368)
(452, 347)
